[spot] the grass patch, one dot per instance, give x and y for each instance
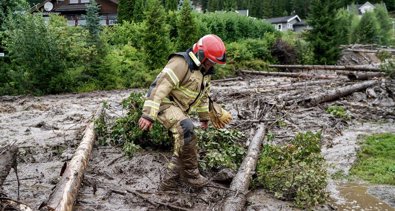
(376, 159)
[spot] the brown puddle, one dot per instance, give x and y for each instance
(357, 198)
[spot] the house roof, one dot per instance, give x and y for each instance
(71, 7)
(284, 19)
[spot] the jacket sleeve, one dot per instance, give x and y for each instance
(202, 107)
(169, 78)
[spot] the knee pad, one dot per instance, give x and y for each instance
(188, 131)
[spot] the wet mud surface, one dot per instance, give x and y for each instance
(47, 131)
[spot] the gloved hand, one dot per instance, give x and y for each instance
(219, 116)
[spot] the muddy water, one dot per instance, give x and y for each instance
(357, 197)
(341, 154)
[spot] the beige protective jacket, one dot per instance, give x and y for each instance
(178, 85)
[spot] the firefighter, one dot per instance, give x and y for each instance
(183, 85)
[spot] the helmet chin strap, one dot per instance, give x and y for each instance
(194, 58)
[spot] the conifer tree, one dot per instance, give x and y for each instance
(323, 36)
(93, 20)
(138, 10)
(367, 31)
(230, 5)
(171, 4)
(385, 24)
(125, 10)
(343, 26)
(186, 27)
(156, 41)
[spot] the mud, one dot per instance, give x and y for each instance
(48, 129)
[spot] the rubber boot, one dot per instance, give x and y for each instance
(171, 178)
(191, 174)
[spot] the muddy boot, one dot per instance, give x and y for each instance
(170, 180)
(191, 174)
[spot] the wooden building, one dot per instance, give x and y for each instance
(74, 10)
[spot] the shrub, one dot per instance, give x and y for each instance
(338, 111)
(296, 171)
(221, 148)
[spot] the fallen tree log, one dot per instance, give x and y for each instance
(8, 157)
(328, 67)
(9, 204)
(293, 75)
(241, 181)
(291, 86)
(356, 75)
(334, 94)
(66, 191)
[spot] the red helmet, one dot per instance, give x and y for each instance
(210, 47)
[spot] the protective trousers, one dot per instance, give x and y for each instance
(184, 160)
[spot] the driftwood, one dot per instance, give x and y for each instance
(7, 161)
(241, 181)
(293, 75)
(356, 75)
(370, 51)
(66, 191)
(227, 79)
(9, 204)
(334, 94)
(327, 67)
(265, 89)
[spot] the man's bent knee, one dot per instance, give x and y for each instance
(188, 131)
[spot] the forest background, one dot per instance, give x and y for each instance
(52, 57)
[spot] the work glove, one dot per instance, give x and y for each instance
(219, 117)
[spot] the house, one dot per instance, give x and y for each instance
(242, 12)
(361, 8)
(293, 23)
(74, 10)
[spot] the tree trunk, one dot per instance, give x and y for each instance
(293, 75)
(337, 93)
(327, 67)
(7, 161)
(265, 89)
(66, 191)
(241, 181)
(356, 75)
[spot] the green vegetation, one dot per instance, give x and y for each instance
(389, 68)
(338, 111)
(296, 171)
(221, 148)
(218, 148)
(376, 159)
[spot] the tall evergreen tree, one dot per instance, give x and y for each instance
(230, 5)
(323, 36)
(257, 8)
(93, 20)
(138, 10)
(125, 10)
(186, 26)
(385, 24)
(367, 31)
(171, 4)
(343, 26)
(156, 41)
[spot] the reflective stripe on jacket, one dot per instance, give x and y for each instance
(177, 84)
